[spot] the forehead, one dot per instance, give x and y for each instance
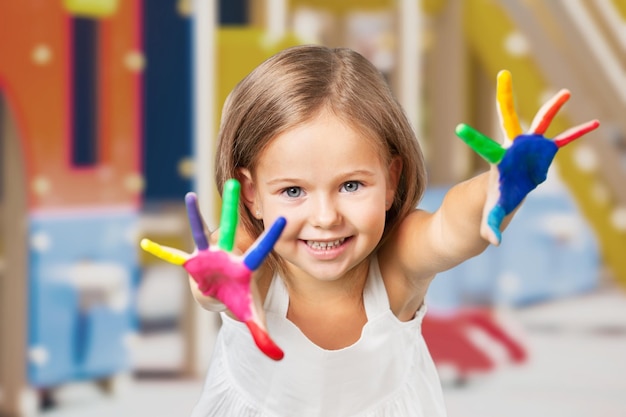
(325, 139)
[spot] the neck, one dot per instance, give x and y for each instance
(331, 314)
(305, 288)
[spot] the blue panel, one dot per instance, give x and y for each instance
(83, 275)
(103, 342)
(53, 321)
(167, 100)
(550, 252)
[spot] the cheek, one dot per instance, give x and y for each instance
(288, 241)
(371, 217)
(290, 231)
(292, 227)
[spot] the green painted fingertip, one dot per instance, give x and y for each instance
(230, 215)
(483, 145)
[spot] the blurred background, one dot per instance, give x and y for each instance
(108, 114)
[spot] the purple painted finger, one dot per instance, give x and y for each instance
(196, 222)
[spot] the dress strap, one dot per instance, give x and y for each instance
(277, 298)
(375, 296)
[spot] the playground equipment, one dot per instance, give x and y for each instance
(59, 187)
(72, 105)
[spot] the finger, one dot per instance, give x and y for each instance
(170, 255)
(494, 221)
(506, 106)
(489, 150)
(196, 222)
(546, 113)
(264, 342)
(256, 325)
(575, 132)
(230, 215)
(491, 201)
(264, 245)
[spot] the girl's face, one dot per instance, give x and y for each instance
(332, 186)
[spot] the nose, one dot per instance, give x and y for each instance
(325, 213)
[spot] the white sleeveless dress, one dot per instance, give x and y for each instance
(387, 372)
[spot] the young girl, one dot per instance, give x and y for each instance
(314, 136)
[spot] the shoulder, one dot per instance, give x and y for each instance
(405, 263)
(409, 249)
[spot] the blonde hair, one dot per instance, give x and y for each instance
(291, 88)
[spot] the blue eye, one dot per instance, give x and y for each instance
(351, 186)
(293, 192)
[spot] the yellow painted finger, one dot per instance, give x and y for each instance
(167, 254)
(506, 105)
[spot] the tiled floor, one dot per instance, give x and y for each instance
(577, 369)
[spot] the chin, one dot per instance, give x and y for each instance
(329, 271)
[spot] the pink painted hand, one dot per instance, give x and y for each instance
(221, 274)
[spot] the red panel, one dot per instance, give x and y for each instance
(39, 93)
(450, 343)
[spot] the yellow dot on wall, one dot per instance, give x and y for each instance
(618, 218)
(186, 168)
(40, 242)
(41, 185)
(516, 44)
(183, 7)
(134, 183)
(42, 54)
(38, 355)
(135, 61)
(600, 193)
(585, 158)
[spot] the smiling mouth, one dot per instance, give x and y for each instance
(326, 245)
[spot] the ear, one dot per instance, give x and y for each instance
(393, 178)
(248, 191)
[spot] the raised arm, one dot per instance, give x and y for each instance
(474, 213)
(427, 243)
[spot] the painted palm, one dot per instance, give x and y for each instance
(221, 274)
(522, 161)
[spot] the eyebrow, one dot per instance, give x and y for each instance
(359, 173)
(346, 175)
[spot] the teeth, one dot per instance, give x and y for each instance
(325, 245)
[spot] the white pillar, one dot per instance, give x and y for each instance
(275, 19)
(205, 21)
(410, 61)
